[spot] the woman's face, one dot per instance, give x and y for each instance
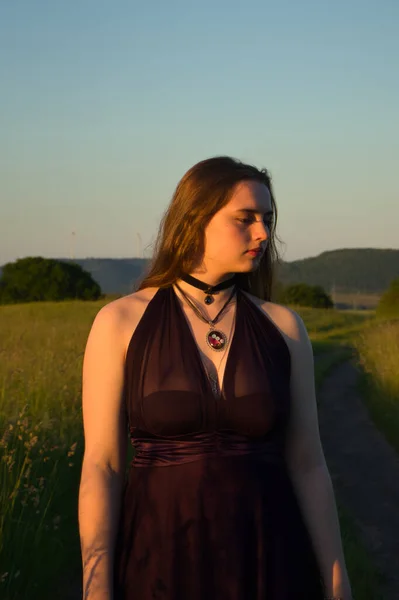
(242, 224)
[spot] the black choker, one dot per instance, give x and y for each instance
(209, 289)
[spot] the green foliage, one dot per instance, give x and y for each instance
(37, 279)
(388, 306)
(301, 294)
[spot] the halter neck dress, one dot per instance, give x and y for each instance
(208, 509)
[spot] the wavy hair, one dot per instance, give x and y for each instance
(200, 194)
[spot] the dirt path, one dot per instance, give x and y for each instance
(364, 469)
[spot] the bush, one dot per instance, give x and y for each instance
(37, 279)
(388, 306)
(302, 294)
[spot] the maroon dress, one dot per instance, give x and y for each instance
(208, 509)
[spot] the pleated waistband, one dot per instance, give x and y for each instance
(158, 452)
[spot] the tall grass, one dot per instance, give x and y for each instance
(41, 442)
(378, 356)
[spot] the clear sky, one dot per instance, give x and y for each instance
(104, 105)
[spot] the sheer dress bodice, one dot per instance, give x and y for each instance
(169, 395)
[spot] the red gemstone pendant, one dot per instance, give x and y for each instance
(216, 339)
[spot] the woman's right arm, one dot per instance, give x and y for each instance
(104, 461)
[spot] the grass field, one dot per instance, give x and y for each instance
(41, 443)
(378, 352)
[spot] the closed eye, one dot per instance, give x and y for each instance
(268, 221)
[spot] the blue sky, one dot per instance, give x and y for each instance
(105, 105)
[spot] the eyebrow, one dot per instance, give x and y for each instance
(253, 211)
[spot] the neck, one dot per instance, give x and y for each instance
(198, 295)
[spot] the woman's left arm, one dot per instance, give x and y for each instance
(307, 465)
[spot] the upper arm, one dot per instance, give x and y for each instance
(104, 419)
(303, 450)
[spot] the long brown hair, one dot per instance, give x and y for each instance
(201, 193)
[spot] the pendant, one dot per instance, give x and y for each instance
(216, 339)
(209, 299)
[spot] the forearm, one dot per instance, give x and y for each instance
(99, 508)
(315, 495)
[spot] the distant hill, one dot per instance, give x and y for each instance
(351, 270)
(359, 270)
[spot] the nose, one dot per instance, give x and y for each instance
(262, 231)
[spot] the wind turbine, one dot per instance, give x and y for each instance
(72, 250)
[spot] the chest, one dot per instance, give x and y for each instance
(169, 368)
(213, 360)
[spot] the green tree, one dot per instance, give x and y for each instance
(37, 279)
(302, 294)
(388, 306)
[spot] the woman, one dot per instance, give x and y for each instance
(228, 496)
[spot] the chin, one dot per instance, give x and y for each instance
(246, 268)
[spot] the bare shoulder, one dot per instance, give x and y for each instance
(126, 312)
(104, 418)
(287, 321)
